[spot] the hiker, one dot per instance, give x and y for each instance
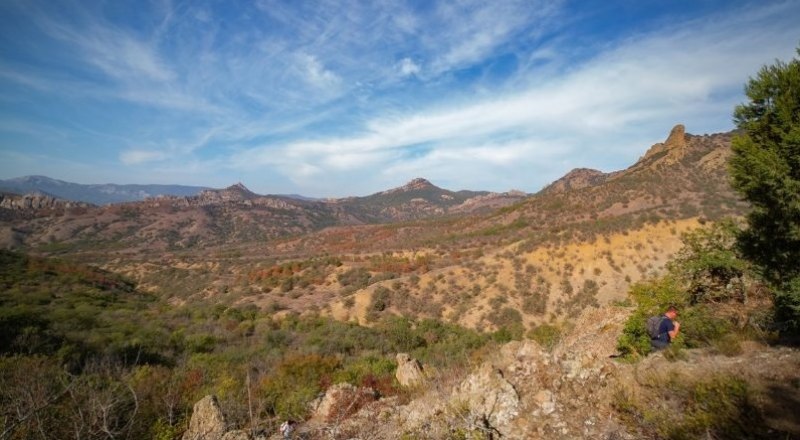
(665, 329)
(287, 428)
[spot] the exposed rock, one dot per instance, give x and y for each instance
(35, 201)
(340, 401)
(207, 422)
(670, 151)
(238, 434)
(489, 397)
(409, 371)
(233, 193)
(414, 185)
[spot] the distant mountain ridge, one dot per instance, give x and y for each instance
(232, 214)
(97, 194)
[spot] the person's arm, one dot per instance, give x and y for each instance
(676, 328)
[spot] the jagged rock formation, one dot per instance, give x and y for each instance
(36, 201)
(670, 151)
(409, 370)
(207, 422)
(233, 193)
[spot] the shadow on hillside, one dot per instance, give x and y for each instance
(782, 409)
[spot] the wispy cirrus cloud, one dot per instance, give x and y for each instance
(611, 105)
(301, 97)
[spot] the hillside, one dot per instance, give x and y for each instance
(277, 325)
(543, 258)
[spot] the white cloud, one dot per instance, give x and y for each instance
(138, 157)
(317, 74)
(408, 67)
(603, 108)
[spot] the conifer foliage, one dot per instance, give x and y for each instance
(765, 169)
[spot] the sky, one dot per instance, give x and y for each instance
(347, 98)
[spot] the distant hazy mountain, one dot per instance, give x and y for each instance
(101, 194)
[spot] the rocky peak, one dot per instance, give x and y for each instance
(233, 193)
(670, 151)
(414, 185)
(677, 136)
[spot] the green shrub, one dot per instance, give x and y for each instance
(548, 336)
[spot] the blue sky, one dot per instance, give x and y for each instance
(338, 98)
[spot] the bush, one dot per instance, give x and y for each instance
(699, 283)
(548, 336)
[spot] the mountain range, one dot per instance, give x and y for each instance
(581, 240)
(216, 216)
(99, 194)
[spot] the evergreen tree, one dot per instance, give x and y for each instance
(766, 169)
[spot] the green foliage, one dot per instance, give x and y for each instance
(652, 298)
(710, 263)
(765, 169)
(119, 343)
(296, 381)
(705, 281)
(548, 336)
(718, 407)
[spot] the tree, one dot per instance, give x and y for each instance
(765, 169)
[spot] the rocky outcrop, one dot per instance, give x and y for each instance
(491, 400)
(233, 193)
(207, 422)
(36, 201)
(340, 401)
(409, 370)
(670, 151)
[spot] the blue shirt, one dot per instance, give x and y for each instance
(664, 328)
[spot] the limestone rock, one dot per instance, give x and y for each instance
(409, 371)
(207, 422)
(490, 397)
(340, 401)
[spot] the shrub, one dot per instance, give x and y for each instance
(548, 336)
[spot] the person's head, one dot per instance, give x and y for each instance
(671, 312)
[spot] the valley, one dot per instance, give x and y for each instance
(201, 292)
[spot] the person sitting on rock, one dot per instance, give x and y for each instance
(668, 329)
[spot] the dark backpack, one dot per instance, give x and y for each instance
(653, 324)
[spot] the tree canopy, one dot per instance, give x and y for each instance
(765, 169)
